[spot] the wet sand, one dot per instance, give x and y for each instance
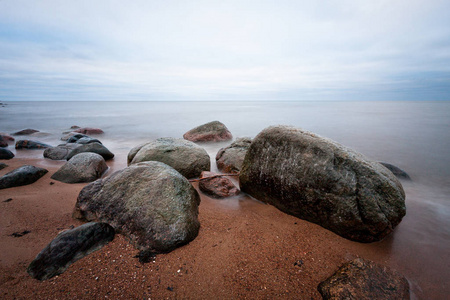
(245, 250)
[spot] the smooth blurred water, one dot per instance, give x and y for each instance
(414, 136)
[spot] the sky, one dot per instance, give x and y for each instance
(224, 50)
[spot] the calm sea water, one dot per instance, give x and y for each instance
(414, 136)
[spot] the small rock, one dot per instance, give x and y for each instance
(7, 137)
(20, 234)
(217, 187)
(92, 147)
(25, 132)
(396, 171)
(213, 131)
(8, 200)
(3, 143)
(6, 154)
(89, 130)
(230, 159)
(83, 167)
(68, 247)
(21, 176)
(28, 144)
(2, 166)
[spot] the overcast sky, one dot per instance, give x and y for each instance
(224, 50)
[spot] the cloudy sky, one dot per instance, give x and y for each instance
(224, 50)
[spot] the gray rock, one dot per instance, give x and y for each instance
(60, 152)
(74, 137)
(230, 159)
(6, 154)
(87, 140)
(363, 279)
(213, 131)
(186, 157)
(29, 144)
(396, 171)
(21, 176)
(83, 167)
(68, 247)
(320, 181)
(150, 203)
(94, 148)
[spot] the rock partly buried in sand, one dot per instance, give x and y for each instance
(94, 148)
(60, 152)
(29, 144)
(186, 157)
(396, 171)
(21, 176)
(217, 186)
(210, 132)
(89, 130)
(83, 167)
(2, 166)
(25, 132)
(363, 279)
(320, 181)
(230, 159)
(68, 247)
(6, 154)
(150, 203)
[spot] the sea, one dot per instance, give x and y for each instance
(412, 135)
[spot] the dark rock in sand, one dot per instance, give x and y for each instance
(150, 203)
(3, 143)
(25, 132)
(323, 182)
(83, 167)
(217, 186)
(396, 171)
(186, 157)
(89, 130)
(6, 154)
(28, 144)
(2, 166)
(92, 147)
(68, 247)
(60, 152)
(213, 131)
(21, 176)
(230, 159)
(363, 279)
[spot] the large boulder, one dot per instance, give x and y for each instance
(186, 157)
(213, 131)
(150, 203)
(6, 154)
(230, 159)
(94, 148)
(363, 279)
(216, 185)
(323, 182)
(29, 144)
(60, 152)
(68, 247)
(21, 176)
(83, 167)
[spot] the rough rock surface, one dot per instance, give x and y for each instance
(25, 132)
(217, 187)
(89, 130)
(186, 157)
(396, 171)
(83, 167)
(150, 203)
(28, 144)
(68, 247)
(60, 152)
(21, 176)
(363, 279)
(6, 154)
(320, 181)
(213, 131)
(230, 159)
(92, 147)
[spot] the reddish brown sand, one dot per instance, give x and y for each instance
(245, 250)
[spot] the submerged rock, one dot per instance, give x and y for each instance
(150, 203)
(186, 157)
(25, 132)
(21, 176)
(28, 144)
(213, 131)
(363, 279)
(396, 171)
(3, 143)
(6, 154)
(320, 181)
(7, 137)
(89, 130)
(217, 186)
(68, 247)
(94, 148)
(230, 159)
(83, 167)
(60, 152)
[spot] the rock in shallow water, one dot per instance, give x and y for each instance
(320, 181)
(230, 159)
(150, 203)
(68, 247)
(29, 144)
(217, 186)
(83, 167)
(210, 132)
(21, 176)
(363, 279)
(94, 148)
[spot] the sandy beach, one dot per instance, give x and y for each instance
(245, 249)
